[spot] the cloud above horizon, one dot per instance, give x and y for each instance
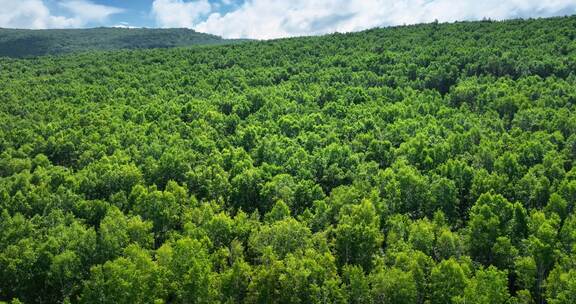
(265, 19)
(35, 14)
(173, 13)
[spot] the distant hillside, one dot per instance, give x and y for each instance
(25, 43)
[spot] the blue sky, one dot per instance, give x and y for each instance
(265, 19)
(137, 13)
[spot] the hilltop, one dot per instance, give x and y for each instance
(26, 43)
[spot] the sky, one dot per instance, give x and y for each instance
(266, 19)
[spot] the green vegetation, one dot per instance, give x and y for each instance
(421, 164)
(27, 43)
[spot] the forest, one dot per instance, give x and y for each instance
(427, 164)
(21, 43)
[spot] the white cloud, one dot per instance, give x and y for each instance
(88, 11)
(265, 19)
(30, 14)
(35, 14)
(178, 13)
(125, 25)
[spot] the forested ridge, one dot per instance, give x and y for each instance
(417, 164)
(28, 43)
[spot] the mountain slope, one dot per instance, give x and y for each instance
(25, 43)
(431, 163)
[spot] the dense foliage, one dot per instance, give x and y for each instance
(419, 164)
(27, 43)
